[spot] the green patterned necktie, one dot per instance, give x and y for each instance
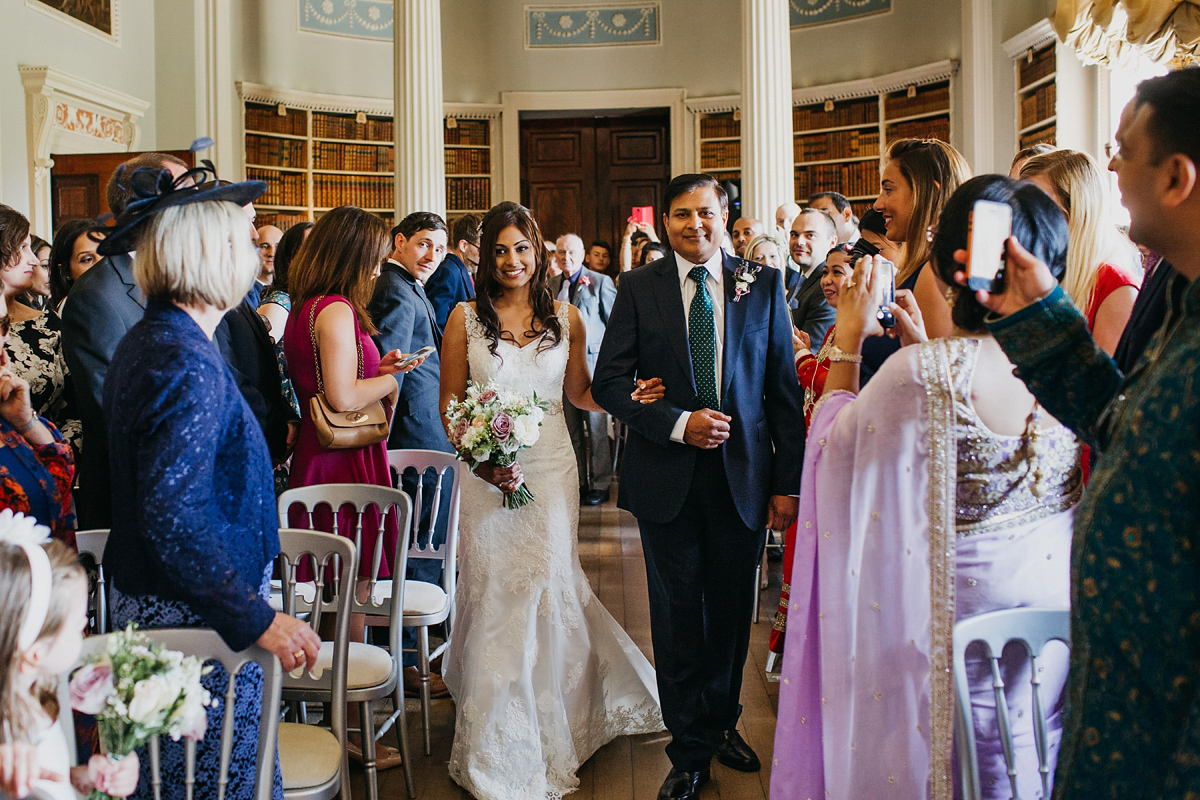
(702, 338)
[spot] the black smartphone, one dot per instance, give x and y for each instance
(990, 227)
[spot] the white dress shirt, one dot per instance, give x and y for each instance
(716, 291)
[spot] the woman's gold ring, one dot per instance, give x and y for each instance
(299, 654)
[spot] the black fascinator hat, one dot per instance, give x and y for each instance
(152, 190)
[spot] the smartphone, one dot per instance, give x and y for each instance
(417, 356)
(885, 316)
(643, 215)
(990, 227)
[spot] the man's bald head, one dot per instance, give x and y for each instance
(568, 253)
(785, 215)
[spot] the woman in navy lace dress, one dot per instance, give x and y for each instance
(194, 528)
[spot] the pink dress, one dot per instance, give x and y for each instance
(313, 464)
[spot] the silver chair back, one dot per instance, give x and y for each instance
(90, 545)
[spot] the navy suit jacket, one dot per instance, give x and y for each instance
(404, 319)
(449, 285)
(647, 337)
(811, 312)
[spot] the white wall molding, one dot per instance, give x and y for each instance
(348, 104)
(891, 82)
(68, 114)
(1032, 37)
(584, 100)
(714, 105)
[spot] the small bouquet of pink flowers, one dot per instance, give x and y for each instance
(136, 689)
(492, 424)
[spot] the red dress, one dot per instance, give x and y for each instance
(1108, 279)
(811, 371)
(313, 464)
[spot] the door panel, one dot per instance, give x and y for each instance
(78, 181)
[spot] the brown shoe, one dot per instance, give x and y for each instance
(385, 757)
(412, 684)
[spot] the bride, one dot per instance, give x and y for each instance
(541, 673)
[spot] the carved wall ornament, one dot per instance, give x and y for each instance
(592, 26)
(807, 13)
(362, 19)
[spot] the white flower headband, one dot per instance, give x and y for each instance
(24, 532)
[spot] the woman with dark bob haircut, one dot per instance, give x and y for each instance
(940, 492)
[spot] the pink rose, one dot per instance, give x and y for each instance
(461, 430)
(502, 426)
(487, 395)
(90, 687)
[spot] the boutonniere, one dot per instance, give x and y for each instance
(745, 274)
(584, 280)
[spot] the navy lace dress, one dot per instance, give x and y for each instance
(194, 526)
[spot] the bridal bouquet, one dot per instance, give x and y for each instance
(492, 424)
(137, 690)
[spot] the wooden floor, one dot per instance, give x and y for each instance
(630, 768)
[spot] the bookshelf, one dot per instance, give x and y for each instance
(719, 144)
(1037, 96)
(469, 157)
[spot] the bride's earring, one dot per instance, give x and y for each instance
(950, 295)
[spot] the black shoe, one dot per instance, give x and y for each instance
(681, 785)
(734, 753)
(596, 497)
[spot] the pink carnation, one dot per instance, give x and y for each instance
(502, 426)
(90, 688)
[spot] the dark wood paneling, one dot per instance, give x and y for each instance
(78, 180)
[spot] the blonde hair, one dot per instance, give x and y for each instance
(933, 170)
(770, 239)
(18, 709)
(1092, 238)
(198, 253)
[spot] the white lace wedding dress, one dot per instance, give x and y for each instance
(541, 673)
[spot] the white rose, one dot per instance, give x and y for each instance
(151, 698)
(525, 430)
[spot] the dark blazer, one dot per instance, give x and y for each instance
(1149, 311)
(103, 304)
(248, 350)
(811, 312)
(193, 502)
(647, 337)
(405, 321)
(449, 285)
(594, 298)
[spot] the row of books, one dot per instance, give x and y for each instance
(718, 125)
(1042, 64)
(846, 112)
(852, 179)
(469, 131)
(280, 219)
(272, 152)
(931, 128)
(1038, 104)
(463, 161)
(925, 100)
(268, 120)
(357, 157)
(836, 144)
(364, 191)
(283, 188)
(339, 126)
(468, 193)
(720, 155)
(1047, 135)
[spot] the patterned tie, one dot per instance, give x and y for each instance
(702, 338)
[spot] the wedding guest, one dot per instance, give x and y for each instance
(276, 303)
(635, 237)
(73, 253)
(194, 524)
(745, 229)
(837, 206)
(964, 489)
(767, 249)
(785, 215)
(451, 283)
(812, 235)
(918, 178)
(599, 257)
(1024, 154)
(268, 245)
(873, 230)
(811, 368)
(37, 294)
(652, 251)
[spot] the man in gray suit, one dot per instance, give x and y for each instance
(593, 294)
(813, 235)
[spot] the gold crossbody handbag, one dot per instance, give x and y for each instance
(343, 430)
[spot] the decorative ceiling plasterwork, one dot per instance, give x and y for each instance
(591, 25)
(361, 19)
(807, 13)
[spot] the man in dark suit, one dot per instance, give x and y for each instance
(103, 304)
(451, 283)
(405, 320)
(813, 235)
(1149, 311)
(708, 468)
(593, 294)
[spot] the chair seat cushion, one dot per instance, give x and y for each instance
(308, 756)
(366, 664)
(420, 597)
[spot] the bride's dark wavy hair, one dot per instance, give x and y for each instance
(487, 288)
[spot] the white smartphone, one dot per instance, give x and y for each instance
(417, 356)
(991, 225)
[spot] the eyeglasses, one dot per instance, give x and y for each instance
(1112, 150)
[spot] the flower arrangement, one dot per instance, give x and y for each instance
(744, 274)
(136, 689)
(492, 424)
(584, 280)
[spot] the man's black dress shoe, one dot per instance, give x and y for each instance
(734, 753)
(595, 497)
(681, 785)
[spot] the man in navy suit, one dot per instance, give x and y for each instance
(405, 320)
(451, 283)
(812, 236)
(708, 468)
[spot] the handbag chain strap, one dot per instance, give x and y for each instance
(312, 332)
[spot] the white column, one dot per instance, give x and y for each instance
(978, 90)
(420, 160)
(216, 103)
(767, 163)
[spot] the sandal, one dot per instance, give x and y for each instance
(385, 757)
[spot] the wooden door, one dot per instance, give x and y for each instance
(585, 175)
(78, 180)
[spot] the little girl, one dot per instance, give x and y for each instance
(43, 614)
